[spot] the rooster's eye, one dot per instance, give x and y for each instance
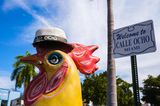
(55, 58)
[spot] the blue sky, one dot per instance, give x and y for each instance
(19, 21)
(12, 23)
(84, 21)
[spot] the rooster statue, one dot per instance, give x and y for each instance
(58, 82)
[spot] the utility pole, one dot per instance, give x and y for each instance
(112, 89)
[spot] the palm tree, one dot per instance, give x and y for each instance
(112, 92)
(23, 73)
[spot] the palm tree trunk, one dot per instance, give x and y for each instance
(25, 86)
(112, 89)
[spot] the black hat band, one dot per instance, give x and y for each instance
(49, 38)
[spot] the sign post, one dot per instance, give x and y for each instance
(131, 41)
(135, 80)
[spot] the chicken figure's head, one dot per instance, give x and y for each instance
(54, 64)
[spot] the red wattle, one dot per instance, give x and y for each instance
(40, 85)
(35, 89)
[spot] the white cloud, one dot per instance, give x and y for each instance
(131, 12)
(27, 36)
(85, 22)
(23, 5)
(6, 83)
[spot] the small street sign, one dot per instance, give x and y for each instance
(135, 39)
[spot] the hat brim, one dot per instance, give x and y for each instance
(54, 44)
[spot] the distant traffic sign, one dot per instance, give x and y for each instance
(135, 39)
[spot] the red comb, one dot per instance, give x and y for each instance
(82, 56)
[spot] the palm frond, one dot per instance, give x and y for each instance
(19, 80)
(15, 72)
(23, 73)
(17, 64)
(19, 57)
(27, 53)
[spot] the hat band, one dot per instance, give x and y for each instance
(49, 38)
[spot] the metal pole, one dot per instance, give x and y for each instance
(9, 100)
(135, 80)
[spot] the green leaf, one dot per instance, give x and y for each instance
(22, 73)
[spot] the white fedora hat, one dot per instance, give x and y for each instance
(50, 36)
